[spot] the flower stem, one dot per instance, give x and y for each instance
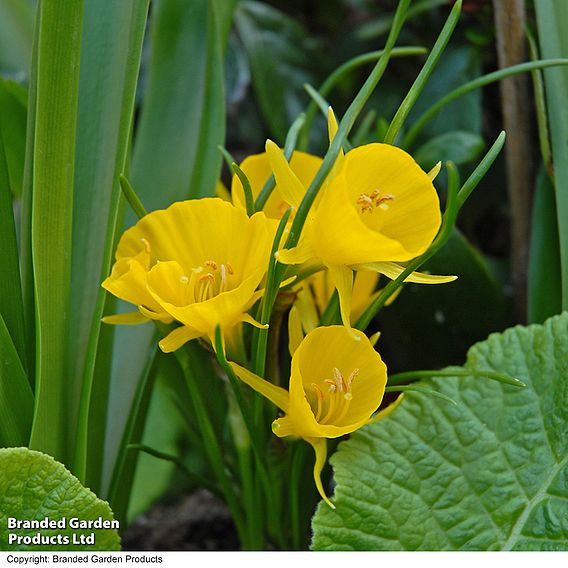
(418, 85)
(212, 445)
(417, 375)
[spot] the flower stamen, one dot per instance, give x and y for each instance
(337, 406)
(214, 280)
(146, 245)
(368, 201)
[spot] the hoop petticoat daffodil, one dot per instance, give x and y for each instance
(337, 382)
(198, 262)
(257, 169)
(378, 209)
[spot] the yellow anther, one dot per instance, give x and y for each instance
(338, 378)
(350, 378)
(368, 201)
(211, 264)
(229, 268)
(332, 385)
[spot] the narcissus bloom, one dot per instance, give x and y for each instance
(257, 169)
(199, 262)
(378, 209)
(337, 382)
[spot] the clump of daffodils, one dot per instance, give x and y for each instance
(202, 266)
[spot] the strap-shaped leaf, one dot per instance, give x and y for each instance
(183, 115)
(488, 474)
(110, 62)
(11, 306)
(16, 398)
(57, 75)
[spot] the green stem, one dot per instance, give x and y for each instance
(247, 417)
(479, 173)
(199, 480)
(343, 70)
(212, 445)
(425, 72)
(297, 468)
(407, 376)
(331, 313)
(483, 81)
(418, 389)
(260, 336)
(249, 199)
(345, 127)
(132, 197)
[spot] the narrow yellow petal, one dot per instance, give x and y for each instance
(433, 173)
(130, 318)
(394, 296)
(297, 255)
(284, 426)
(295, 331)
(332, 125)
(320, 448)
(332, 128)
(246, 318)
(306, 307)
(392, 270)
(342, 278)
(178, 337)
(290, 186)
(150, 314)
(386, 411)
(374, 338)
(277, 395)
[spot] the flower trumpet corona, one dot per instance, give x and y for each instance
(198, 262)
(337, 382)
(379, 208)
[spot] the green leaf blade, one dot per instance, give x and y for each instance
(16, 33)
(183, 115)
(554, 43)
(16, 398)
(544, 277)
(11, 303)
(110, 62)
(59, 47)
(490, 474)
(34, 486)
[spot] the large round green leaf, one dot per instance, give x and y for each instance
(33, 486)
(488, 474)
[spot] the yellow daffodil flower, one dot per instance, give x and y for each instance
(199, 262)
(257, 169)
(337, 383)
(378, 209)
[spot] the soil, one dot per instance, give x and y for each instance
(197, 522)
